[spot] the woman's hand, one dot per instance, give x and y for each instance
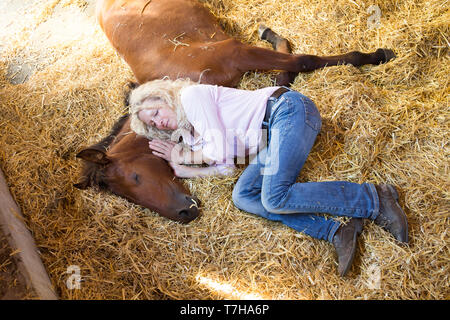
(168, 150)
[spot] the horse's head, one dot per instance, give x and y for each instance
(129, 169)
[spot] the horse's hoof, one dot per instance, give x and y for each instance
(262, 31)
(388, 55)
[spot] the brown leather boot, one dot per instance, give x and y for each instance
(391, 217)
(345, 241)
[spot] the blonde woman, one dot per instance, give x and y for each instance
(217, 124)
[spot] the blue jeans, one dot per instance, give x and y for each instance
(268, 187)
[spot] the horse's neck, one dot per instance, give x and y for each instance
(126, 140)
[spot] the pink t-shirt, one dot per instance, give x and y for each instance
(227, 120)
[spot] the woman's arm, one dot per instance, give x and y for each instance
(183, 171)
(175, 153)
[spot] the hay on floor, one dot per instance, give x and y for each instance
(387, 123)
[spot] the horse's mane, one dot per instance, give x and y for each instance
(108, 140)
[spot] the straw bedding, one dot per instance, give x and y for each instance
(387, 123)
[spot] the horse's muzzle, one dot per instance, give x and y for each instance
(191, 211)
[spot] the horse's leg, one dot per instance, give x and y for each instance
(253, 58)
(355, 58)
(280, 44)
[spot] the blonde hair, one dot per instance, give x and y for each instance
(150, 95)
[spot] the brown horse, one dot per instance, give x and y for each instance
(123, 163)
(180, 38)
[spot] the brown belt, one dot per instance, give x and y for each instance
(270, 102)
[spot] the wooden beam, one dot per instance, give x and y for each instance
(22, 243)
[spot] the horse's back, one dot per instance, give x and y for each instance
(156, 37)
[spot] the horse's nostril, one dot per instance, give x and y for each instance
(188, 214)
(184, 213)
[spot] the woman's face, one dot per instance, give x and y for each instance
(161, 117)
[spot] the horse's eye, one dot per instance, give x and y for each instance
(136, 177)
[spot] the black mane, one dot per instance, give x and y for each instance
(106, 142)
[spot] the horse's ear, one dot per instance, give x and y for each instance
(93, 155)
